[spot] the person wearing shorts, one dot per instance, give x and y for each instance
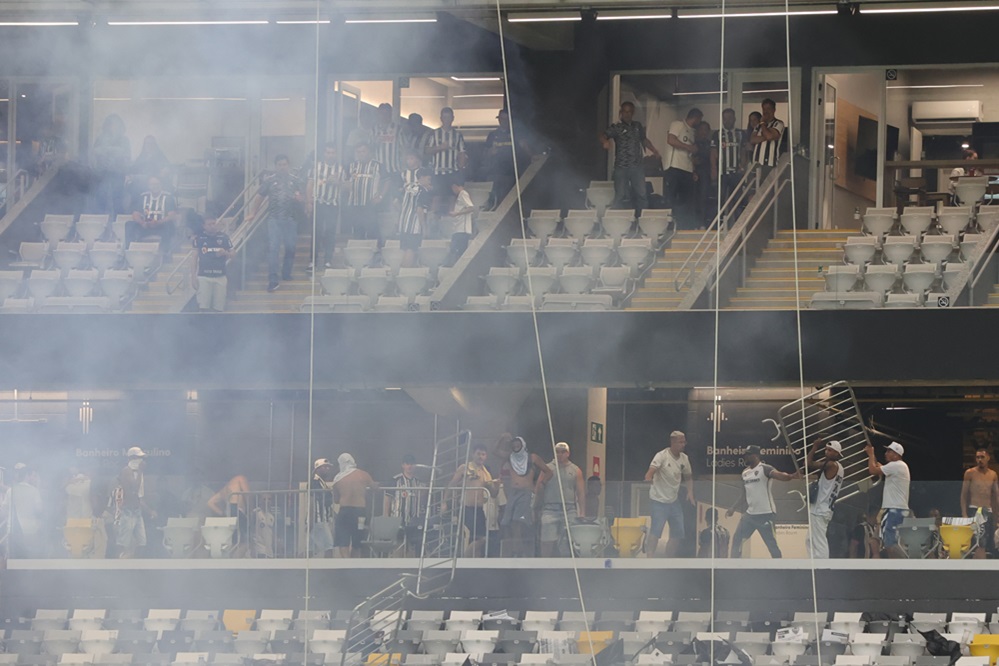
(347, 532)
(479, 485)
(350, 491)
(895, 500)
(519, 474)
(573, 492)
(669, 469)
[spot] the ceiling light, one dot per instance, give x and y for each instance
(544, 17)
(701, 92)
(482, 95)
(944, 85)
(37, 24)
(188, 22)
(392, 20)
(476, 78)
(929, 10)
(304, 22)
(193, 99)
(812, 12)
(626, 15)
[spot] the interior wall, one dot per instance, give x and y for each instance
(861, 90)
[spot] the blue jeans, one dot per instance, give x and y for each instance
(663, 513)
(281, 231)
(629, 185)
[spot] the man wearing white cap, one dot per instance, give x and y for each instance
(321, 488)
(827, 478)
(895, 502)
(573, 492)
(130, 502)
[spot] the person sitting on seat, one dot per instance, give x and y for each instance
(154, 215)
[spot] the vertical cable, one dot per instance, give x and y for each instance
(537, 333)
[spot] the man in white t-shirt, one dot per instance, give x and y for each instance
(679, 178)
(758, 501)
(668, 470)
(828, 479)
(895, 501)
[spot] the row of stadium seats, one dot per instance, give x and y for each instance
(87, 228)
(924, 220)
(635, 253)
(40, 284)
(360, 254)
(589, 223)
(900, 250)
(101, 256)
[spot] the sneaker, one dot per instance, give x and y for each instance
(272, 287)
(310, 268)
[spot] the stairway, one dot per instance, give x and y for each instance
(658, 291)
(770, 284)
(152, 296)
(254, 297)
(993, 301)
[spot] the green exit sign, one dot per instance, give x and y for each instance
(596, 432)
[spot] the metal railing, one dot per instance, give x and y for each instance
(974, 268)
(6, 518)
(244, 229)
(755, 199)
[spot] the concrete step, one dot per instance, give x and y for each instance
(803, 264)
(754, 282)
(817, 233)
(653, 304)
(824, 254)
(743, 292)
(806, 244)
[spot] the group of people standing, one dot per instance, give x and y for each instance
(696, 161)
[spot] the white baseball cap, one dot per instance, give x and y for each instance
(135, 452)
(320, 462)
(835, 446)
(897, 448)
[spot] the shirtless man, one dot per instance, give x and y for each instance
(350, 491)
(520, 472)
(980, 492)
(476, 477)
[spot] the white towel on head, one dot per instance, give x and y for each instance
(519, 460)
(347, 465)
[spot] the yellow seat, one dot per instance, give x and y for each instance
(597, 639)
(238, 620)
(78, 534)
(985, 645)
(956, 539)
(629, 535)
(384, 659)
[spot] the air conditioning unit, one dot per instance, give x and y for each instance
(947, 113)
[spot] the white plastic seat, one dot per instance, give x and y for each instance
(614, 277)
(654, 621)
(847, 300)
(327, 641)
(537, 659)
(250, 642)
(523, 252)
(600, 194)
(879, 221)
(970, 244)
(541, 621)
(80, 282)
(902, 301)
(987, 219)
(634, 640)
(970, 623)
(898, 249)
(560, 252)
(840, 277)
(951, 272)
(359, 253)
(433, 253)
(42, 284)
(58, 641)
(892, 660)
(917, 219)
(543, 223)
(372, 282)
(617, 223)
(475, 641)
(180, 536)
(91, 227)
(272, 619)
(866, 645)
(391, 304)
(441, 642)
(75, 658)
(337, 281)
(970, 189)
(76, 304)
(929, 622)
(881, 277)
(392, 254)
(919, 277)
(56, 228)
(908, 645)
(191, 658)
(539, 280)
(692, 621)
(68, 255)
(847, 623)
(118, 226)
(597, 251)
(852, 660)
(521, 303)
(479, 191)
(88, 619)
(788, 649)
(576, 279)
(973, 661)
(410, 282)
(31, 255)
(936, 249)
(98, 641)
(161, 619)
(656, 659)
(577, 302)
(579, 223)
(954, 220)
(860, 249)
(10, 283)
(463, 620)
(653, 223)
(48, 619)
(21, 305)
(502, 281)
(588, 540)
(115, 284)
(753, 643)
(141, 256)
(425, 620)
(105, 255)
(635, 253)
(480, 303)
(217, 534)
(200, 620)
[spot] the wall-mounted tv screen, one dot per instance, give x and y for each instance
(866, 163)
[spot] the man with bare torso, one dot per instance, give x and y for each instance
(980, 492)
(350, 491)
(519, 474)
(477, 477)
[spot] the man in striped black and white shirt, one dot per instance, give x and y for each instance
(726, 155)
(447, 149)
(413, 136)
(386, 133)
(323, 198)
(766, 138)
(155, 214)
(416, 201)
(366, 188)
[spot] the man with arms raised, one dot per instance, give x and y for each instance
(895, 501)
(829, 478)
(980, 492)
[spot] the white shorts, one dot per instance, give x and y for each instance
(212, 293)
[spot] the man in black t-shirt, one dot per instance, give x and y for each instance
(285, 196)
(212, 250)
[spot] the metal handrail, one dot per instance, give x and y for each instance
(977, 265)
(239, 236)
(746, 233)
(705, 242)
